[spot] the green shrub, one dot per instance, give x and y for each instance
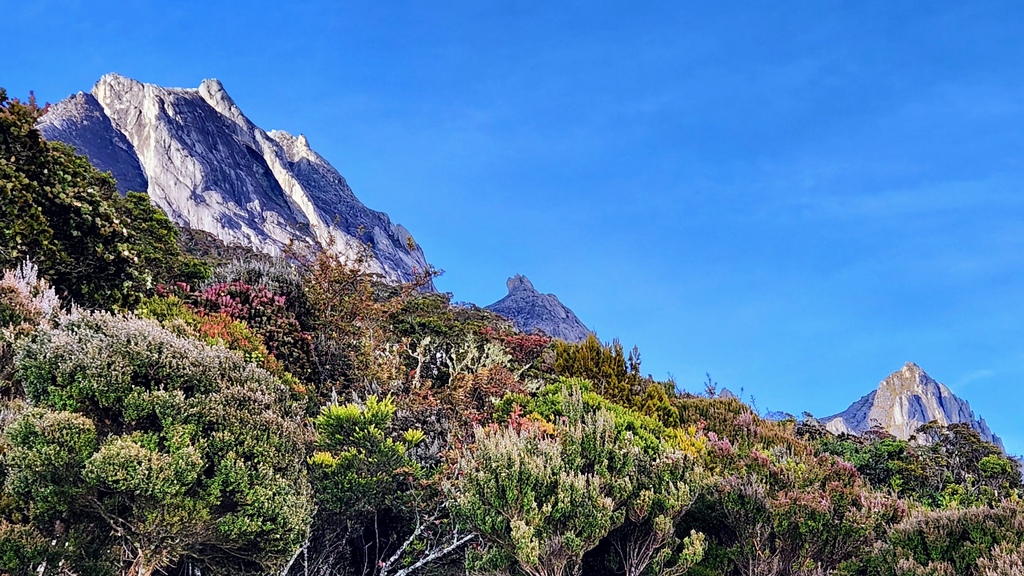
(1003, 560)
(216, 329)
(164, 448)
(539, 500)
(569, 470)
(965, 542)
(779, 511)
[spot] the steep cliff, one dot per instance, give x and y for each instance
(210, 168)
(530, 310)
(905, 400)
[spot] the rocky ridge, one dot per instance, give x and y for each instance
(210, 168)
(530, 310)
(905, 400)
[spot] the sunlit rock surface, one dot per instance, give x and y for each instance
(210, 168)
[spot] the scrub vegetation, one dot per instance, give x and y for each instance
(169, 410)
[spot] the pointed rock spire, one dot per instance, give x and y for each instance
(530, 310)
(905, 400)
(519, 283)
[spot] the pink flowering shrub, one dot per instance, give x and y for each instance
(264, 312)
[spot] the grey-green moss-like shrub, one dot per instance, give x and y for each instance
(166, 451)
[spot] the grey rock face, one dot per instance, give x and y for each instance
(210, 168)
(80, 121)
(530, 310)
(905, 400)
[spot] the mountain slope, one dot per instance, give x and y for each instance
(905, 400)
(530, 310)
(210, 168)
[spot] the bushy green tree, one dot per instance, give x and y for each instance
(616, 376)
(359, 466)
(146, 452)
(975, 472)
(943, 467)
(95, 246)
(378, 507)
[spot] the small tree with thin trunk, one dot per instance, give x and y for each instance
(378, 508)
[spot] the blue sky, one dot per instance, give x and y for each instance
(796, 198)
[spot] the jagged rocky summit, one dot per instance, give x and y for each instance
(905, 400)
(210, 168)
(727, 394)
(530, 310)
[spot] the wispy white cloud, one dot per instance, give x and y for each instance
(972, 377)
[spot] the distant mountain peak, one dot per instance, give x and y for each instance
(213, 85)
(911, 379)
(530, 310)
(205, 164)
(520, 283)
(905, 400)
(727, 394)
(113, 79)
(214, 93)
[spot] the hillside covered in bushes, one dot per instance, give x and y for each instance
(174, 406)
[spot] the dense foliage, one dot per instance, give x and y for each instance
(952, 466)
(230, 413)
(95, 246)
(161, 449)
